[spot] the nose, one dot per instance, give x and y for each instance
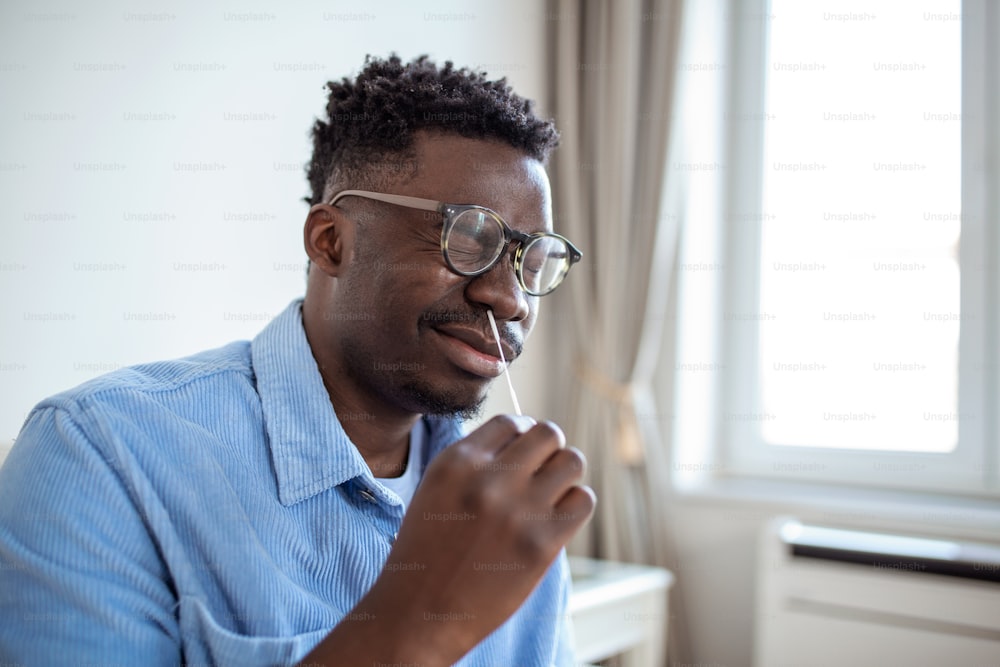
(499, 290)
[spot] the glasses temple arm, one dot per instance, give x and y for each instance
(399, 200)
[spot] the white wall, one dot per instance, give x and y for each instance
(151, 164)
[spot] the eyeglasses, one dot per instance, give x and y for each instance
(474, 239)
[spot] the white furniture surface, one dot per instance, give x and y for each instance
(619, 609)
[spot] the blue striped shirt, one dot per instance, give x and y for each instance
(209, 511)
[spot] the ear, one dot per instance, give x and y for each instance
(328, 236)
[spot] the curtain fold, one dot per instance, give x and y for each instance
(612, 73)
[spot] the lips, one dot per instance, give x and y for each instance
(478, 341)
(471, 351)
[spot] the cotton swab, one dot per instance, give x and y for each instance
(506, 372)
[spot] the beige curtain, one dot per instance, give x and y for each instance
(612, 74)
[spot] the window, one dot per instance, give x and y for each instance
(859, 326)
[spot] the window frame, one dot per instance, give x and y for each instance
(974, 466)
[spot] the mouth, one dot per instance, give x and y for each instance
(472, 351)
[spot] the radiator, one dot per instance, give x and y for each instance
(829, 596)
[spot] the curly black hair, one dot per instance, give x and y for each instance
(371, 120)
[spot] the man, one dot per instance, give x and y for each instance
(245, 506)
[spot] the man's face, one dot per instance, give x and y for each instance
(411, 332)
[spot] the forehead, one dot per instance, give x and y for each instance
(459, 170)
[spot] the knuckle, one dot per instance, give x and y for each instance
(508, 422)
(494, 495)
(455, 467)
(450, 462)
(532, 543)
(550, 430)
(568, 460)
(484, 496)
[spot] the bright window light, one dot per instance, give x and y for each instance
(859, 264)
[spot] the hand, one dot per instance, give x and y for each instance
(490, 516)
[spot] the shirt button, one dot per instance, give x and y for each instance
(368, 495)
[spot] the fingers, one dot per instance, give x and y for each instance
(542, 452)
(535, 447)
(496, 434)
(562, 471)
(555, 483)
(550, 472)
(559, 523)
(573, 510)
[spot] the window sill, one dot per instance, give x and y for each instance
(976, 518)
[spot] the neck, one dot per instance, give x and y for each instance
(381, 432)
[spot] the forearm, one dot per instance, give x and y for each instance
(385, 628)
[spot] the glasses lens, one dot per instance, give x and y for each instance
(474, 241)
(544, 264)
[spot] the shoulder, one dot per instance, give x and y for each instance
(158, 381)
(162, 405)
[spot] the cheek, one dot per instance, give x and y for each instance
(404, 294)
(401, 262)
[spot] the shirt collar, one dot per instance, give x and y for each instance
(310, 450)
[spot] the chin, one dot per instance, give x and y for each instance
(431, 401)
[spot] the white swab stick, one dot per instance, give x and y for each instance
(506, 372)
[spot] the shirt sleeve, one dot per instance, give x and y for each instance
(565, 643)
(81, 579)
